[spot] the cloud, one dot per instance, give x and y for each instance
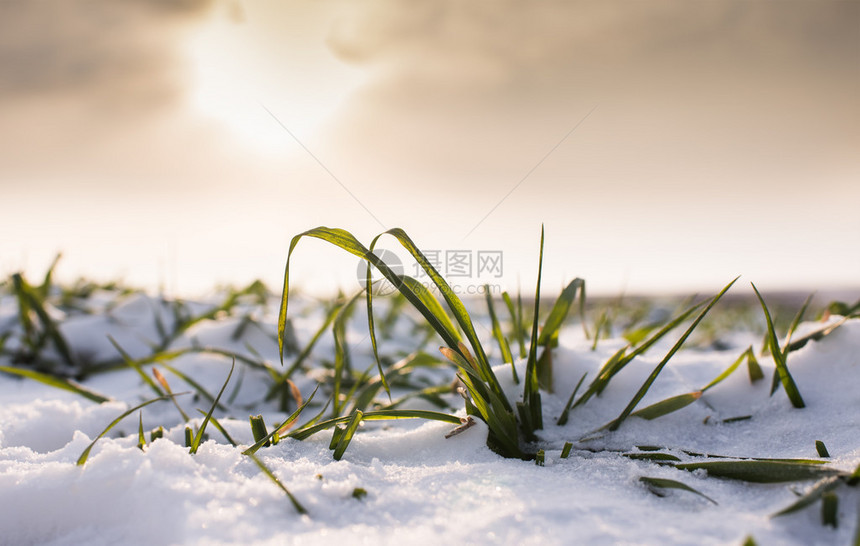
(489, 86)
(93, 88)
(119, 52)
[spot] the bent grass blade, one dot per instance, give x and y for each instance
(651, 378)
(195, 443)
(59, 383)
(265, 469)
(779, 357)
(83, 458)
(654, 484)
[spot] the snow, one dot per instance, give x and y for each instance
(421, 488)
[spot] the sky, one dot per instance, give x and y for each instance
(665, 145)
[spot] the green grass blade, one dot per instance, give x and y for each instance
(265, 469)
(516, 320)
(194, 384)
(779, 358)
(821, 449)
(133, 364)
(565, 451)
(531, 399)
(562, 419)
(29, 297)
(815, 492)
(141, 438)
(651, 378)
(266, 440)
(348, 433)
(381, 415)
(753, 367)
(341, 355)
(83, 458)
(664, 483)
(794, 324)
(306, 351)
(199, 436)
(667, 406)
(504, 348)
(553, 323)
(59, 383)
(830, 510)
(220, 428)
(761, 471)
(619, 360)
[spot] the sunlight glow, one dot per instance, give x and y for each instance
(237, 74)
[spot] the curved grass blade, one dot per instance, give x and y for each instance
(532, 416)
(83, 458)
(135, 365)
(779, 358)
(667, 406)
(815, 492)
(346, 241)
(341, 354)
(664, 483)
(195, 443)
(282, 427)
(194, 384)
(516, 320)
(307, 432)
(220, 428)
(675, 403)
(265, 469)
(30, 299)
(306, 351)
(620, 359)
(348, 433)
(562, 419)
(652, 456)
(59, 383)
(651, 378)
(504, 347)
(761, 471)
(552, 325)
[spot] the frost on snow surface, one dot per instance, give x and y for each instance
(420, 487)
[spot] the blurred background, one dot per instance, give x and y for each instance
(666, 145)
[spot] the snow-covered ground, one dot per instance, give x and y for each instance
(421, 488)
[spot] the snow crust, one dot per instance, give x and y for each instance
(421, 488)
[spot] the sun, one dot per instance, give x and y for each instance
(254, 82)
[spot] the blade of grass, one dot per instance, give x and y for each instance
(562, 419)
(779, 358)
(199, 436)
(220, 428)
(516, 320)
(141, 438)
(531, 396)
(348, 433)
(28, 298)
(59, 383)
(813, 494)
(83, 458)
(260, 442)
(265, 469)
(504, 348)
(651, 378)
(553, 323)
(664, 483)
(759, 471)
(133, 364)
